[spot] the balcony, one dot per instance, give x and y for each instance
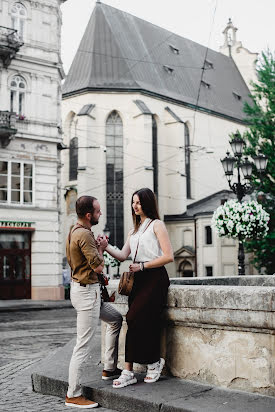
(10, 43)
(7, 127)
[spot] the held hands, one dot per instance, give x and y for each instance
(102, 242)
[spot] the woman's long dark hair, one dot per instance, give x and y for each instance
(148, 204)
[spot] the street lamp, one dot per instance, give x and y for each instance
(106, 231)
(241, 189)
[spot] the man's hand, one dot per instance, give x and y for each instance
(102, 242)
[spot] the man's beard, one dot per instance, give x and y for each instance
(93, 221)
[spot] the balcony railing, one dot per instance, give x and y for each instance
(7, 127)
(10, 43)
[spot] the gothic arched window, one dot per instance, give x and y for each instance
(187, 161)
(17, 95)
(114, 175)
(18, 18)
(155, 154)
(73, 158)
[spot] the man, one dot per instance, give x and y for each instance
(85, 256)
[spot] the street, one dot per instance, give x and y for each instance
(26, 338)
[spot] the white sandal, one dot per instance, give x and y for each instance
(126, 378)
(154, 370)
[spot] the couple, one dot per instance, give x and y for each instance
(149, 245)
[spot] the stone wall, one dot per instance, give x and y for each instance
(221, 335)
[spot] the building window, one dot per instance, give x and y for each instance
(71, 198)
(16, 182)
(187, 161)
(209, 270)
(17, 95)
(155, 154)
(114, 175)
(73, 158)
(208, 235)
(18, 18)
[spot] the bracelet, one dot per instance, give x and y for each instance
(141, 265)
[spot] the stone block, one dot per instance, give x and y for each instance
(218, 335)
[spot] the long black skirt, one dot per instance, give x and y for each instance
(146, 303)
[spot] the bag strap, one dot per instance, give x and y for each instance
(139, 238)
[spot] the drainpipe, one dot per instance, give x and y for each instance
(195, 231)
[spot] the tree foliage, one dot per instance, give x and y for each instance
(260, 138)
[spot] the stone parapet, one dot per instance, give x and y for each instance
(221, 335)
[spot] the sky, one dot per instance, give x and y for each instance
(199, 20)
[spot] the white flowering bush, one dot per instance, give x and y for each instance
(247, 220)
(110, 260)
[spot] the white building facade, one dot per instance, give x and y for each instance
(30, 134)
(156, 121)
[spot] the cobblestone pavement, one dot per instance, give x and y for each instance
(26, 338)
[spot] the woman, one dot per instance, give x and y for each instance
(150, 249)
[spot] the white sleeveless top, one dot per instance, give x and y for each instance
(149, 247)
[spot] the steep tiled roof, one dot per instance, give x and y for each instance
(122, 52)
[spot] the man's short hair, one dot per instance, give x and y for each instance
(84, 204)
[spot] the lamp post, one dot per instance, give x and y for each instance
(241, 163)
(106, 231)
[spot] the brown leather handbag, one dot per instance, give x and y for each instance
(127, 278)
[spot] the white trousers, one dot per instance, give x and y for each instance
(89, 307)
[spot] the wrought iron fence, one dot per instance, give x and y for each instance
(9, 37)
(7, 119)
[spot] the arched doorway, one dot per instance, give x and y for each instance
(186, 269)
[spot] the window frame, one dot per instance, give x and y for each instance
(73, 159)
(18, 95)
(205, 270)
(206, 235)
(22, 178)
(114, 143)
(187, 160)
(18, 21)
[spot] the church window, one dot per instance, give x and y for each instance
(187, 161)
(18, 18)
(73, 158)
(114, 175)
(208, 235)
(209, 270)
(155, 154)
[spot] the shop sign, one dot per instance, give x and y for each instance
(4, 224)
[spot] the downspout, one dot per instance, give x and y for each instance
(195, 231)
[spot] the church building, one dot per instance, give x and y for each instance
(144, 107)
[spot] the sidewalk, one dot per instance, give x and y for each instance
(20, 305)
(167, 395)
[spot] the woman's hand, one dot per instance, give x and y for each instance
(134, 267)
(102, 242)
